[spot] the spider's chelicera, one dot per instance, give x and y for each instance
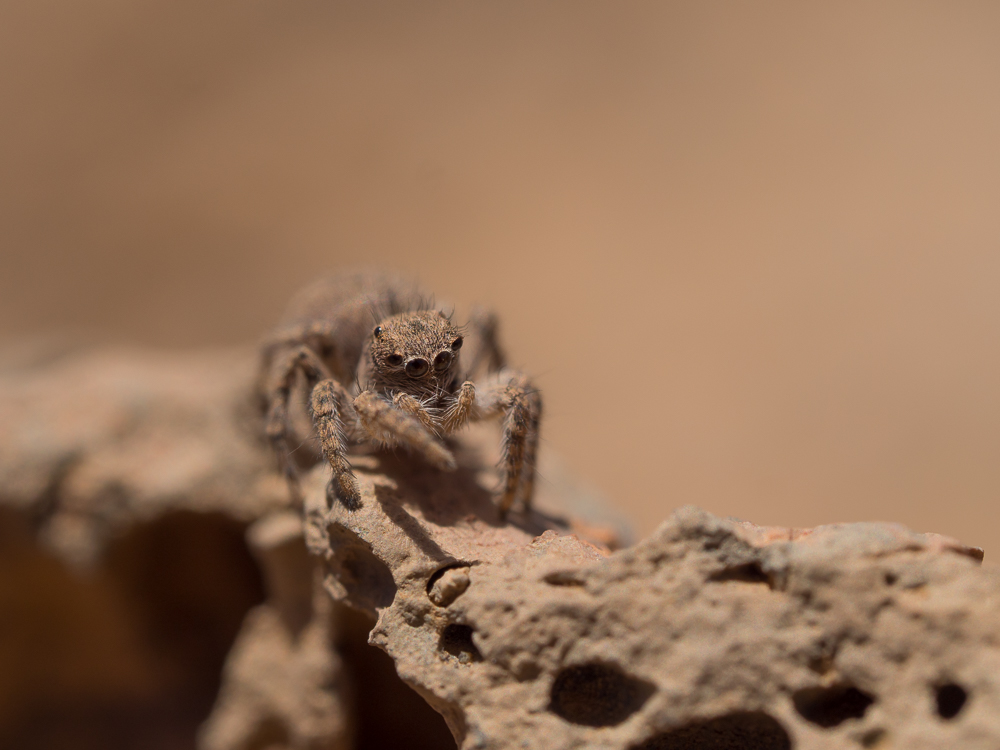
(382, 366)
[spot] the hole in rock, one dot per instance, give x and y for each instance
(950, 700)
(828, 707)
(598, 695)
(457, 640)
(748, 573)
(367, 579)
(133, 651)
(738, 731)
(873, 738)
(436, 575)
(389, 713)
(563, 578)
(448, 583)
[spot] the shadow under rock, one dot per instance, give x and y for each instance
(128, 655)
(389, 713)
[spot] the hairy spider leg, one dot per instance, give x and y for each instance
(530, 470)
(483, 353)
(300, 359)
(512, 394)
(327, 403)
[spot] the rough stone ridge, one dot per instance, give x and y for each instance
(711, 633)
(144, 533)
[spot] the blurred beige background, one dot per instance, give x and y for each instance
(751, 250)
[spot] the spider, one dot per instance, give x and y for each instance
(383, 366)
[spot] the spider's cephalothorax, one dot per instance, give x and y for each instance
(415, 353)
(382, 366)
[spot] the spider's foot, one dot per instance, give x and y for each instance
(508, 500)
(345, 490)
(504, 504)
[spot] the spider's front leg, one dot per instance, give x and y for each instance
(328, 402)
(513, 395)
(390, 425)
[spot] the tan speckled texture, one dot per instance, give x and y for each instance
(126, 478)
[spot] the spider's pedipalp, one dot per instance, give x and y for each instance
(407, 403)
(388, 425)
(460, 411)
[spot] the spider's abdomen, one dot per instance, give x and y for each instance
(335, 316)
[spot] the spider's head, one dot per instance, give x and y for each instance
(415, 351)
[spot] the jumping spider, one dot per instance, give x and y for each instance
(382, 366)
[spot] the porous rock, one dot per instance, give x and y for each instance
(145, 533)
(712, 633)
(129, 480)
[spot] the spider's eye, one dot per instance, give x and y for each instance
(457, 344)
(417, 367)
(442, 360)
(377, 332)
(394, 359)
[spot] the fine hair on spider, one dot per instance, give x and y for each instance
(384, 366)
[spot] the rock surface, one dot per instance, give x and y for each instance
(145, 535)
(128, 482)
(710, 631)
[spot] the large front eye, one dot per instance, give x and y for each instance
(442, 360)
(417, 367)
(394, 359)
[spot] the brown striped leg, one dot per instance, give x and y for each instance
(529, 469)
(521, 405)
(483, 353)
(328, 403)
(277, 423)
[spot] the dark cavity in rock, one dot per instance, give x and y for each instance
(457, 641)
(829, 707)
(738, 731)
(748, 573)
(598, 695)
(950, 700)
(367, 579)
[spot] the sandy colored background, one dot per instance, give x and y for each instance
(751, 250)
